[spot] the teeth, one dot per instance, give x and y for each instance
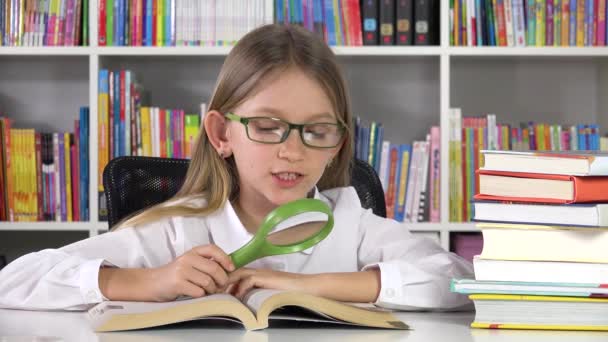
(289, 176)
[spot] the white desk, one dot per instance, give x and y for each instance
(22, 326)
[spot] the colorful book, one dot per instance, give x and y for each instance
(495, 311)
(470, 286)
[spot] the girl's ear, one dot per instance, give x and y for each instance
(216, 129)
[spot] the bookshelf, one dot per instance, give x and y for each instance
(408, 89)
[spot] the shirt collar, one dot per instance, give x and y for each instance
(228, 232)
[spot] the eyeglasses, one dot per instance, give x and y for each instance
(268, 130)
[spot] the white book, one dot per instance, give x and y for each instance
(470, 18)
(411, 182)
(535, 242)
(268, 11)
(576, 163)
(540, 271)
(593, 215)
(384, 162)
(508, 9)
(518, 22)
(492, 132)
(423, 172)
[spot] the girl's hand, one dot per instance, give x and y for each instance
(201, 271)
(245, 279)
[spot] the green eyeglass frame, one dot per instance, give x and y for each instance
(291, 126)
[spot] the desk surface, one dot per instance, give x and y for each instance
(30, 326)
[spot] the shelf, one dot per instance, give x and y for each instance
(45, 50)
(548, 51)
(387, 50)
(480, 51)
(437, 227)
(53, 226)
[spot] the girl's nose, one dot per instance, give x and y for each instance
(293, 147)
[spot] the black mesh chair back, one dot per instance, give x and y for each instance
(135, 183)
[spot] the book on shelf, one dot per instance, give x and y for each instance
(509, 311)
(543, 188)
(590, 214)
(409, 173)
(470, 286)
(544, 242)
(44, 176)
(470, 136)
(579, 163)
(527, 23)
(44, 23)
(129, 126)
(258, 310)
(540, 271)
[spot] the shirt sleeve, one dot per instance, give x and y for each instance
(415, 272)
(67, 278)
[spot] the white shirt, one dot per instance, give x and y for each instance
(415, 272)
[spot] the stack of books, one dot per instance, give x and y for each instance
(544, 263)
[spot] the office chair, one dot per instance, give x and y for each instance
(134, 183)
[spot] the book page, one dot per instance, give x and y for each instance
(255, 298)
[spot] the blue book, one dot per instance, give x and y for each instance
(167, 24)
(148, 23)
(572, 26)
(330, 23)
(589, 23)
(279, 11)
(84, 163)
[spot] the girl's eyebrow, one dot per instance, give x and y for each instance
(278, 113)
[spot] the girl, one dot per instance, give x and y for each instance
(278, 129)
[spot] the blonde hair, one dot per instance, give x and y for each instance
(212, 180)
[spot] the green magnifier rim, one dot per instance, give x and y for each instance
(259, 247)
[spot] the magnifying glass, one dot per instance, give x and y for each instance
(309, 221)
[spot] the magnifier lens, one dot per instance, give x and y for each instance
(297, 228)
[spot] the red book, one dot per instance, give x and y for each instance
(355, 20)
(541, 188)
(101, 26)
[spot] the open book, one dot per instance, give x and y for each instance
(254, 312)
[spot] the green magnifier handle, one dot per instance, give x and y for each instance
(259, 247)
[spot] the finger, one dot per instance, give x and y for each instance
(217, 254)
(245, 286)
(211, 268)
(192, 290)
(238, 275)
(201, 280)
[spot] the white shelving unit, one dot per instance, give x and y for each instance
(406, 88)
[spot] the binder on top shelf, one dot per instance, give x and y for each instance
(369, 13)
(405, 18)
(426, 22)
(387, 22)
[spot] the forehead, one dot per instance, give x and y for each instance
(291, 94)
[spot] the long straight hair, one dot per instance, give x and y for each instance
(212, 180)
